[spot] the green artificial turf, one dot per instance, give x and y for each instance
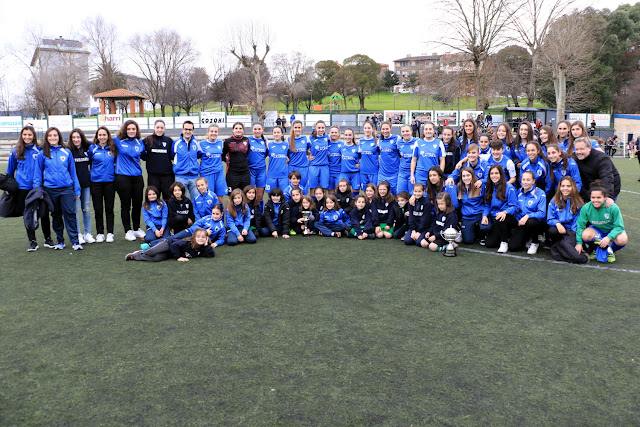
(318, 331)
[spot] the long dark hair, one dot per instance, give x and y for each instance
(465, 139)
(84, 142)
(110, 143)
(433, 190)
(452, 143)
(20, 146)
(508, 138)
(564, 157)
(501, 186)
(576, 200)
(147, 203)
(518, 140)
(192, 239)
(122, 133)
(46, 147)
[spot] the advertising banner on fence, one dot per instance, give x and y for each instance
(270, 118)
(446, 118)
(421, 116)
(311, 119)
(86, 125)
(469, 114)
(396, 117)
(10, 123)
(246, 120)
(179, 120)
(39, 125)
(208, 118)
(64, 123)
(111, 121)
(574, 117)
(602, 120)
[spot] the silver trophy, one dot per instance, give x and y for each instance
(450, 236)
(306, 217)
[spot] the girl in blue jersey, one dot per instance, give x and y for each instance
(79, 146)
(277, 215)
(578, 130)
(389, 157)
(299, 146)
(21, 165)
(501, 206)
(211, 166)
(129, 181)
(451, 149)
(257, 155)
(255, 210)
(445, 217)
(198, 245)
(278, 150)
(369, 151)
(473, 160)
(427, 152)
(102, 157)
(335, 157)
(469, 136)
(420, 218)
(55, 171)
(537, 163)
(332, 221)
(238, 220)
(485, 148)
(319, 157)
(498, 157)
(562, 165)
(383, 205)
(562, 131)
(524, 136)
(155, 214)
(350, 161)
(563, 212)
(531, 215)
(437, 183)
(503, 134)
(405, 150)
(471, 200)
(546, 137)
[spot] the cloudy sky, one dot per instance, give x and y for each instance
(330, 29)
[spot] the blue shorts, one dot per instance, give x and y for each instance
(217, 183)
(280, 183)
(304, 174)
(334, 177)
(366, 178)
(319, 176)
(353, 178)
(421, 176)
(392, 180)
(258, 177)
(404, 182)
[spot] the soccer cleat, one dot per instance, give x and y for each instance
(533, 249)
(292, 233)
(77, 247)
(109, 237)
(504, 247)
(129, 257)
(139, 233)
(80, 239)
(33, 246)
(611, 257)
(59, 246)
(592, 255)
(89, 238)
(99, 238)
(48, 243)
(130, 236)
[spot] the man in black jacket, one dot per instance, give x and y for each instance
(594, 164)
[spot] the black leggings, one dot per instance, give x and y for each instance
(45, 221)
(521, 234)
(162, 183)
(103, 192)
(238, 180)
(130, 189)
(500, 231)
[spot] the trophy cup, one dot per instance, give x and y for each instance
(450, 236)
(305, 217)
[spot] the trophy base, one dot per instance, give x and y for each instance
(445, 253)
(449, 250)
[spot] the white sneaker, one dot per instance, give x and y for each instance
(109, 237)
(81, 239)
(99, 238)
(89, 238)
(130, 236)
(139, 233)
(533, 249)
(504, 247)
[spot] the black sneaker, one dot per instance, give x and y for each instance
(33, 246)
(48, 243)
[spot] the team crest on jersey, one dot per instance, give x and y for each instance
(208, 202)
(606, 216)
(137, 148)
(353, 150)
(159, 207)
(164, 144)
(63, 158)
(530, 202)
(35, 156)
(539, 173)
(422, 153)
(335, 217)
(109, 153)
(317, 147)
(244, 142)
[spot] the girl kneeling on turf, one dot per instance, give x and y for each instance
(155, 214)
(198, 245)
(445, 217)
(333, 221)
(601, 225)
(531, 214)
(420, 218)
(276, 215)
(238, 220)
(383, 205)
(361, 222)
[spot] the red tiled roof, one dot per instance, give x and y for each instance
(119, 93)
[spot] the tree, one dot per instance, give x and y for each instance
(510, 71)
(532, 20)
(477, 28)
(324, 72)
(190, 88)
(232, 87)
(389, 80)
(101, 38)
(343, 83)
(442, 87)
(567, 51)
(159, 56)
(412, 82)
(293, 74)
(363, 72)
(250, 44)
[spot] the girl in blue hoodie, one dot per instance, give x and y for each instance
(501, 206)
(238, 220)
(22, 162)
(55, 171)
(102, 157)
(155, 213)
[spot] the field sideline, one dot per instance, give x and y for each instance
(319, 331)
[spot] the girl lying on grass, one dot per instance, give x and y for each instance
(198, 245)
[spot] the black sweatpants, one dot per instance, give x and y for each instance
(162, 183)
(238, 180)
(103, 195)
(500, 231)
(130, 189)
(529, 230)
(45, 221)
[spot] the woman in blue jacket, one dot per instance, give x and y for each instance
(22, 162)
(299, 146)
(55, 171)
(501, 206)
(238, 220)
(102, 157)
(531, 215)
(129, 181)
(155, 213)
(471, 200)
(564, 209)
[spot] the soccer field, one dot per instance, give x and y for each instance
(319, 331)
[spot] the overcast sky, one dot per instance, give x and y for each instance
(330, 29)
